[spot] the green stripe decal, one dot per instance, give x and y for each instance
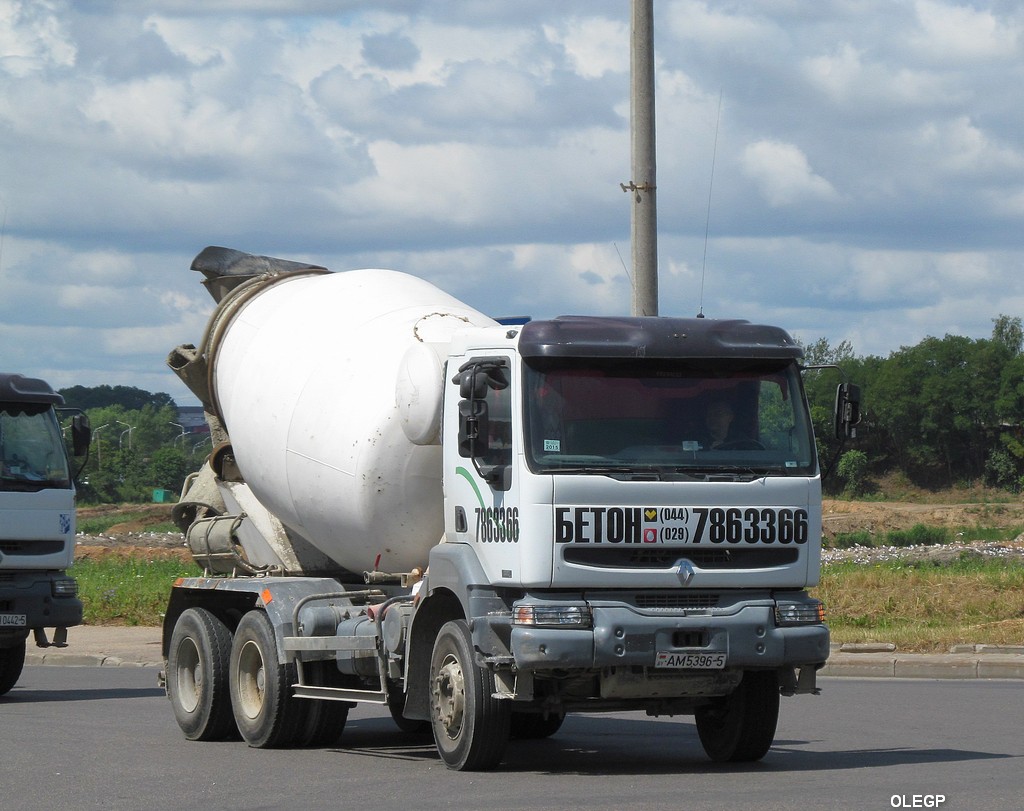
(461, 471)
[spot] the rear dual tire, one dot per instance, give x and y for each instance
(266, 714)
(197, 676)
(222, 684)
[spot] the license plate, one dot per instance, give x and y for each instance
(691, 661)
(13, 621)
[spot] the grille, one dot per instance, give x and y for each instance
(677, 600)
(31, 547)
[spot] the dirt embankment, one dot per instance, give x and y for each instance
(881, 517)
(143, 530)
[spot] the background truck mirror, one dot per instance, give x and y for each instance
(81, 434)
(847, 413)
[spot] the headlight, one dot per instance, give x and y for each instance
(65, 587)
(809, 613)
(552, 616)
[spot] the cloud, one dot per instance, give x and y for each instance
(390, 51)
(868, 160)
(783, 174)
(962, 33)
(33, 39)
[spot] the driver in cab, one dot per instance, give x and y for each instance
(718, 422)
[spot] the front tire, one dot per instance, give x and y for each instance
(197, 676)
(740, 727)
(471, 727)
(12, 662)
(266, 713)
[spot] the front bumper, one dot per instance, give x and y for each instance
(622, 637)
(31, 595)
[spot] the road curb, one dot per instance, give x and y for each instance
(102, 646)
(54, 659)
(926, 665)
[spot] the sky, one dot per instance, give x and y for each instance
(849, 169)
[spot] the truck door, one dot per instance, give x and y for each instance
(483, 484)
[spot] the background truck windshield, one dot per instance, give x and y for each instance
(32, 454)
(670, 415)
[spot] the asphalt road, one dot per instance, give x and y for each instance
(91, 737)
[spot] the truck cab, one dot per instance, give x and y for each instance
(633, 507)
(37, 521)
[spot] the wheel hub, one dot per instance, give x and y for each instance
(189, 675)
(449, 691)
(252, 680)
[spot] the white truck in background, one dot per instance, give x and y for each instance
(487, 526)
(37, 521)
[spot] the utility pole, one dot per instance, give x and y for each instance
(643, 186)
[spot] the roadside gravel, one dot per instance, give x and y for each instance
(945, 553)
(165, 539)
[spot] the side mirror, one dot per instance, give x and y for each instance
(476, 378)
(81, 434)
(473, 428)
(847, 412)
(472, 384)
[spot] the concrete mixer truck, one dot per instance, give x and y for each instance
(486, 526)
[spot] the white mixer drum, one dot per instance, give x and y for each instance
(305, 380)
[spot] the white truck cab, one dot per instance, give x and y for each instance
(37, 521)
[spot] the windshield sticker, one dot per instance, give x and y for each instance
(681, 525)
(552, 446)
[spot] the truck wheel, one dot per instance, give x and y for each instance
(471, 727)
(197, 676)
(266, 713)
(324, 720)
(533, 726)
(12, 660)
(740, 727)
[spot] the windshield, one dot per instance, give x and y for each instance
(32, 454)
(667, 417)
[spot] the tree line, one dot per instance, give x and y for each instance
(138, 445)
(944, 412)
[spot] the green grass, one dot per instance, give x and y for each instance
(127, 591)
(925, 606)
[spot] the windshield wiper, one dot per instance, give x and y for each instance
(28, 484)
(615, 471)
(725, 473)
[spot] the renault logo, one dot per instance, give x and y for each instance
(684, 569)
